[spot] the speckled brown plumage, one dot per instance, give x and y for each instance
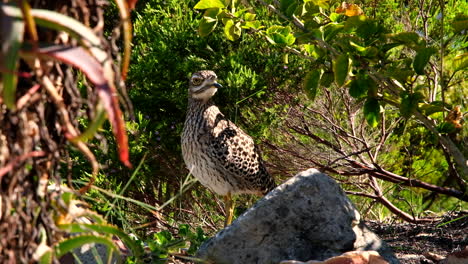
(217, 152)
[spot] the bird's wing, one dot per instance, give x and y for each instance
(237, 154)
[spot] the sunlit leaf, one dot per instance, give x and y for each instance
(232, 30)
(309, 10)
(349, 9)
(29, 21)
(252, 24)
(286, 58)
(311, 83)
(372, 111)
(208, 22)
(280, 35)
(341, 68)
(422, 58)
(205, 4)
(460, 62)
(249, 16)
(12, 31)
(334, 17)
(46, 258)
(321, 3)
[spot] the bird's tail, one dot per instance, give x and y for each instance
(270, 185)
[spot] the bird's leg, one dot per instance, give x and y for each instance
(229, 209)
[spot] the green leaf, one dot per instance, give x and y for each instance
(286, 58)
(331, 30)
(321, 3)
(358, 48)
(433, 107)
(288, 7)
(360, 86)
(422, 58)
(311, 83)
(335, 17)
(460, 62)
(327, 79)
(372, 111)
(46, 258)
(105, 229)
(184, 230)
(71, 243)
(369, 29)
(341, 69)
(11, 36)
(446, 127)
(249, 16)
(205, 4)
(253, 24)
(368, 52)
(314, 51)
(93, 126)
(409, 103)
(410, 39)
(460, 23)
(372, 87)
(280, 35)
(353, 23)
(208, 22)
(232, 30)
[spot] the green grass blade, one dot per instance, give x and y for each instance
(71, 243)
(105, 229)
(135, 172)
(11, 36)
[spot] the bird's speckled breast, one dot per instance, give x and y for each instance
(199, 128)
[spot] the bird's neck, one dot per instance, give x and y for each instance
(199, 105)
(206, 111)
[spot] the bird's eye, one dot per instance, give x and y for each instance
(197, 81)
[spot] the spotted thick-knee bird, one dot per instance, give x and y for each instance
(217, 152)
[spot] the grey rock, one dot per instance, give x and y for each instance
(308, 217)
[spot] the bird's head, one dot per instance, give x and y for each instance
(203, 85)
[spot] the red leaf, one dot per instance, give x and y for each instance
(131, 4)
(78, 57)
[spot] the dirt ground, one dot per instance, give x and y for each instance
(425, 243)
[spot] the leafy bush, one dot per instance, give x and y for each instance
(403, 79)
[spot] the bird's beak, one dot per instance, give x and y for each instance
(217, 85)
